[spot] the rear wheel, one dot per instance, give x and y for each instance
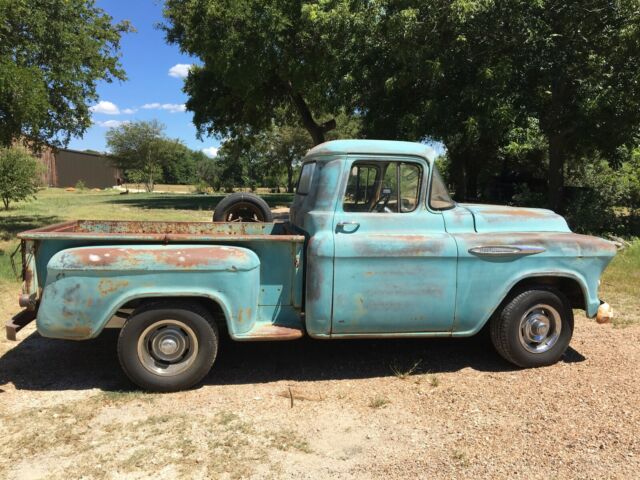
(167, 347)
(534, 328)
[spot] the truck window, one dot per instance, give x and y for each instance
(361, 188)
(439, 198)
(392, 187)
(306, 175)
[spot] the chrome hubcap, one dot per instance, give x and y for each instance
(540, 328)
(167, 347)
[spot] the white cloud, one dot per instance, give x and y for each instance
(170, 107)
(108, 108)
(129, 111)
(210, 152)
(180, 70)
(111, 123)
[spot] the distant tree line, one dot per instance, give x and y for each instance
(147, 156)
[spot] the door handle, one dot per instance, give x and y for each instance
(347, 227)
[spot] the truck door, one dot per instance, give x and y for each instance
(395, 266)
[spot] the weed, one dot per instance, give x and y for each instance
(403, 374)
(379, 402)
(119, 396)
(461, 457)
(288, 440)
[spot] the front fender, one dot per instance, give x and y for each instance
(87, 285)
(484, 282)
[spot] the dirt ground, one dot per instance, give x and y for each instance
(338, 409)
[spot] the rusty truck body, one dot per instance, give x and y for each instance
(374, 247)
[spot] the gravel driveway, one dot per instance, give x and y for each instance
(312, 409)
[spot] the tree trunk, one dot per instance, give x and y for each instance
(457, 175)
(315, 129)
(471, 171)
(290, 177)
(556, 172)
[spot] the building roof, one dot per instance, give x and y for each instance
(373, 147)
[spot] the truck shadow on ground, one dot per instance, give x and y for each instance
(38, 363)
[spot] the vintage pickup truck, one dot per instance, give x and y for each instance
(374, 247)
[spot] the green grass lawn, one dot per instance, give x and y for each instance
(620, 283)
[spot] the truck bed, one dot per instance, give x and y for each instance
(281, 254)
(154, 231)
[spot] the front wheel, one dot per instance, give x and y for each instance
(534, 328)
(168, 346)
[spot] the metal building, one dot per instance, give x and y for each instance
(65, 168)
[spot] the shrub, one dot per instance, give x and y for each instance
(19, 175)
(202, 187)
(601, 199)
(80, 185)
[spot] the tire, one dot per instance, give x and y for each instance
(242, 207)
(518, 329)
(147, 339)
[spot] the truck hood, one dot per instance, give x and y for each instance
(499, 218)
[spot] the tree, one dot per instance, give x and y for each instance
(19, 174)
(469, 72)
(52, 54)
(269, 157)
(178, 162)
(138, 146)
(577, 65)
(260, 56)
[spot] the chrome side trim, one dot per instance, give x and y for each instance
(505, 250)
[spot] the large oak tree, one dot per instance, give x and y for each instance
(52, 54)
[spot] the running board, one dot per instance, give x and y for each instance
(271, 332)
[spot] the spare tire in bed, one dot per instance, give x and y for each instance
(242, 207)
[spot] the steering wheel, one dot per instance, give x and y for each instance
(385, 197)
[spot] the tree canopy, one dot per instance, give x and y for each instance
(258, 57)
(477, 75)
(52, 54)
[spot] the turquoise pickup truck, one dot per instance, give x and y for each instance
(374, 247)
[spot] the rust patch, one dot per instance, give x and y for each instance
(512, 212)
(107, 286)
(27, 277)
(195, 257)
(163, 231)
(398, 246)
(129, 257)
(69, 295)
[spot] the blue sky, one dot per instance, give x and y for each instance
(154, 85)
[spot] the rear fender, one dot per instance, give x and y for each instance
(87, 285)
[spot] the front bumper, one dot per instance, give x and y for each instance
(18, 322)
(605, 313)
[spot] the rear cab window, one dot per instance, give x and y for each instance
(306, 176)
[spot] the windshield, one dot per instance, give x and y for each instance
(439, 198)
